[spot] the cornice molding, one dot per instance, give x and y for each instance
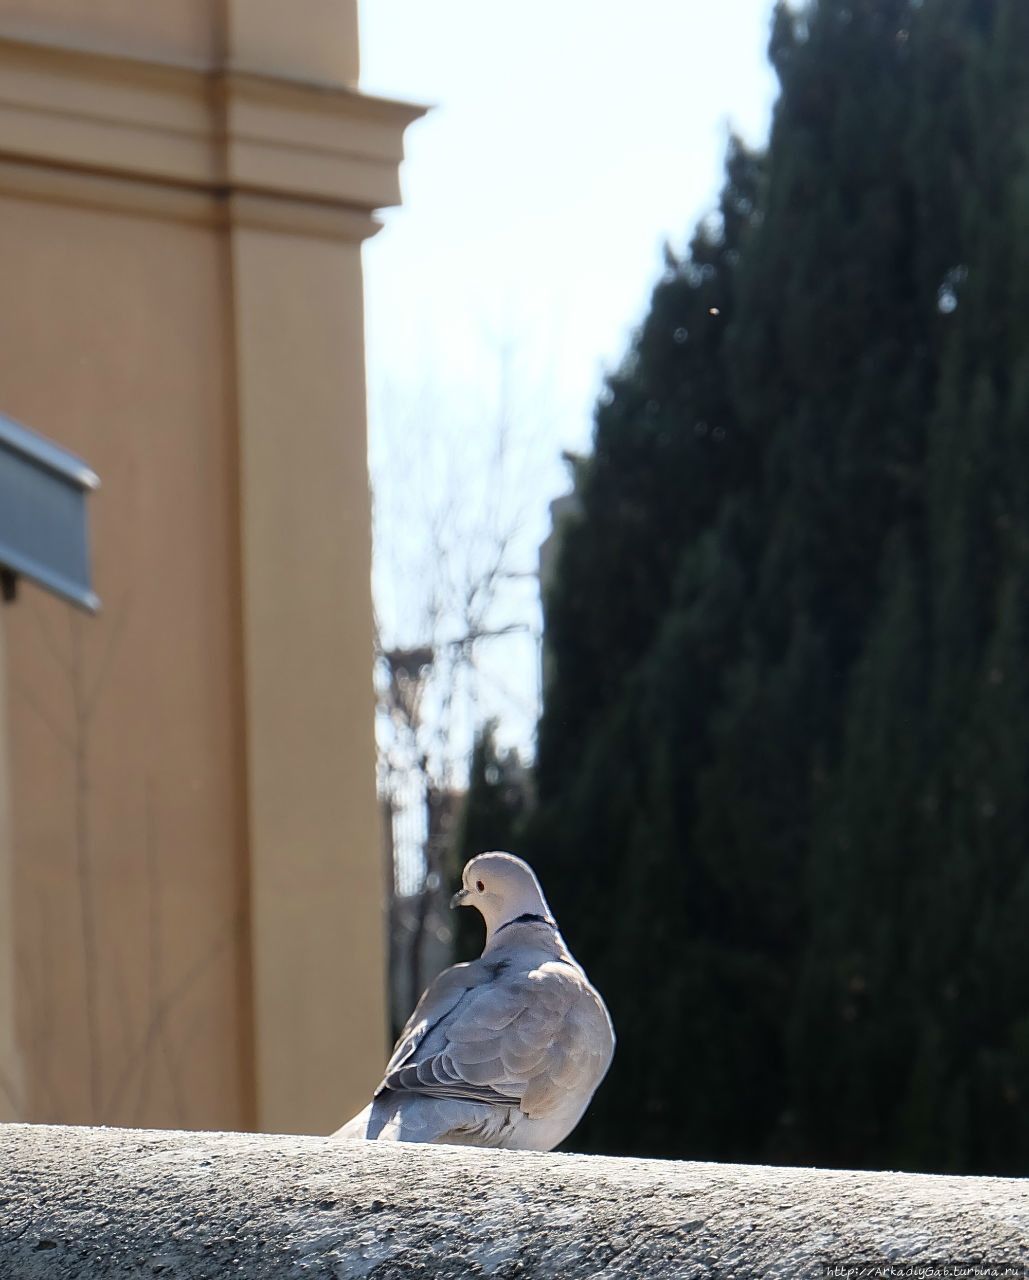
(197, 138)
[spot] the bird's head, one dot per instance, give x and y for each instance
(503, 888)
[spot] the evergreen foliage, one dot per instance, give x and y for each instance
(784, 754)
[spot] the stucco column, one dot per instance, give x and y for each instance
(184, 188)
(10, 1058)
(315, 41)
(319, 1004)
(317, 950)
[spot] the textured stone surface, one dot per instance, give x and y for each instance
(117, 1202)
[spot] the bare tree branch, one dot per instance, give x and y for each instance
(63, 738)
(456, 599)
(84, 874)
(169, 1003)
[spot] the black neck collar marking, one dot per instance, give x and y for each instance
(530, 917)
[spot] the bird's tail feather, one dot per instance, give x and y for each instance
(357, 1127)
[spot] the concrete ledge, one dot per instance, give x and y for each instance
(117, 1202)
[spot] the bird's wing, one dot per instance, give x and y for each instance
(438, 1000)
(517, 1038)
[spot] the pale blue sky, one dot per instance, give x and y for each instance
(569, 140)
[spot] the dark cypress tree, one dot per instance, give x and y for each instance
(665, 415)
(852, 1016)
(785, 739)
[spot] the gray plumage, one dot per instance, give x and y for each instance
(506, 1051)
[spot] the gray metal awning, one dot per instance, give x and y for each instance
(44, 530)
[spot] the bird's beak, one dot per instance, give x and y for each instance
(458, 899)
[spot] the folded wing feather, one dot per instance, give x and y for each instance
(507, 1042)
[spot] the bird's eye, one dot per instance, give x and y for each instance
(480, 886)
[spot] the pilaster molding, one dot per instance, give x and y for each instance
(76, 124)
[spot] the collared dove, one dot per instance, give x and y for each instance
(506, 1051)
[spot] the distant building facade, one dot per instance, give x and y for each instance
(192, 899)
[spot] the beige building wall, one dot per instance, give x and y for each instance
(191, 930)
(12, 1086)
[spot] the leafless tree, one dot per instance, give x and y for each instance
(458, 633)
